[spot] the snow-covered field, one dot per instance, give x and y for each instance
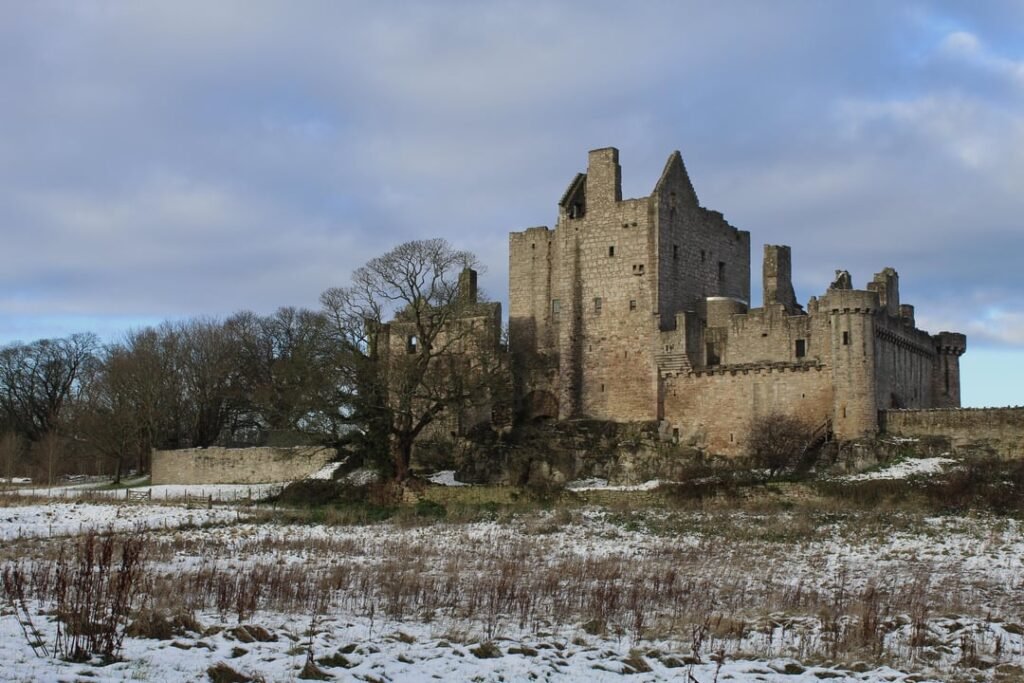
(577, 595)
(222, 493)
(915, 467)
(66, 519)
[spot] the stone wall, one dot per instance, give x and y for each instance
(999, 431)
(713, 409)
(259, 465)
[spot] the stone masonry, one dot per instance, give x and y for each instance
(258, 465)
(639, 310)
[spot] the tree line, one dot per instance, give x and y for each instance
(330, 375)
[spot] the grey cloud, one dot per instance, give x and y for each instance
(173, 158)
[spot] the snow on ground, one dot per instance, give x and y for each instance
(326, 472)
(64, 519)
(445, 478)
(905, 468)
(363, 649)
(602, 484)
(224, 493)
(978, 561)
(362, 476)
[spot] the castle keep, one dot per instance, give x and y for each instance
(639, 310)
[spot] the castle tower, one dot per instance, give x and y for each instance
(851, 319)
(949, 346)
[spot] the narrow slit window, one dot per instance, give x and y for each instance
(597, 305)
(675, 251)
(611, 251)
(556, 308)
(632, 304)
(846, 338)
(721, 271)
(801, 348)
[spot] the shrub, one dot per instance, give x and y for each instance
(777, 442)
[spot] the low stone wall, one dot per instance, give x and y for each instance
(258, 465)
(998, 431)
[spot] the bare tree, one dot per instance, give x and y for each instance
(205, 367)
(777, 441)
(439, 354)
(10, 450)
(284, 365)
(39, 380)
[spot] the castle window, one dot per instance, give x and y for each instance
(703, 256)
(721, 271)
(801, 348)
(597, 305)
(675, 251)
(576, 210)
(411, 343)
(556, 308)
(602, 388)
(638, 269)
(632, 304)
(611, 251)
(846, 338)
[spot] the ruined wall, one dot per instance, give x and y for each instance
(699, 253)
(238, 465)
(770, 335)
(996, 430)
(904, 364)
(713, 409)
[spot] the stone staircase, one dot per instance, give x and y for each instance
(672, 363)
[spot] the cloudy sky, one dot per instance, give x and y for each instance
(164, 160)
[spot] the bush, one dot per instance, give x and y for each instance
(778, 442)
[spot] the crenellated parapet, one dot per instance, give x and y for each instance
(950, 343)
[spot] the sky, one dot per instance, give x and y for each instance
(166, 160)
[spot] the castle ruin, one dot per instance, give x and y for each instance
(639, 310)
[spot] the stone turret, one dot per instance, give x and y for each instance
(467, 286)
(777, 278)
(604, 176)
(887, 284)
(949, 346)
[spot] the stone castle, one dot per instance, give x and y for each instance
(639, 310)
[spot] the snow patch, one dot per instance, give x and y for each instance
(363, 476)
(326, 472)
(906, 468)
(598, 484)
(445, 478)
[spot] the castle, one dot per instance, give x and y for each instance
(639, 310)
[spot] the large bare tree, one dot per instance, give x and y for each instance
(416, 343)
(39, 380)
